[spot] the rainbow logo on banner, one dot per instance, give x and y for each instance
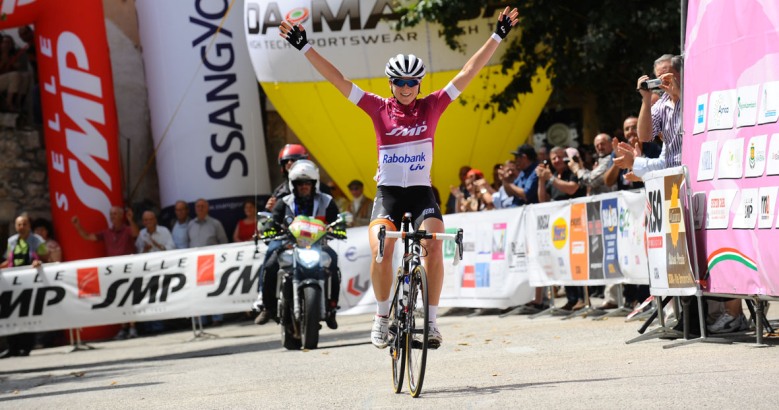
(730, 254)
(559, 233)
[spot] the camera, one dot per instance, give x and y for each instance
(651, 84)
(574, 159)
(546, 162)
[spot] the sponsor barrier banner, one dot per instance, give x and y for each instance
(594, 240)
(589, 241)
(80, 124)
(151, 286)
(731, 142)
(666, 234)
(204, 104)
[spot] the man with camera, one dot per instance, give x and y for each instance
(663, 117)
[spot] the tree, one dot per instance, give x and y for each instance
(597, 47)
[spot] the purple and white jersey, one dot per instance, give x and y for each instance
(404, 134)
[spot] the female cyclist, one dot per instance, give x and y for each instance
(405, 127)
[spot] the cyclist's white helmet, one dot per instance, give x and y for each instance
(405, 65)
(303, 170)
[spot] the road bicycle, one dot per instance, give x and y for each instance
(409, 312)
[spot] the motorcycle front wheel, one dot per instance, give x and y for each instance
(309, 318)
(288, 340)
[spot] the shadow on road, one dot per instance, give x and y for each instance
(72, 391)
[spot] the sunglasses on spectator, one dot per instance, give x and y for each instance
(299, 183)
(400, 82)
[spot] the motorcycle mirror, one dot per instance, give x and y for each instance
(264, 220)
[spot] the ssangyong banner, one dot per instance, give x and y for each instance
(204, 103)
(79, 114)
(731, 140)
(358, 38)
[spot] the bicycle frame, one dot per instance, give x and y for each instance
(411, 280)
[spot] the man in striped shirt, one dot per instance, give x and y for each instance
(664, 117)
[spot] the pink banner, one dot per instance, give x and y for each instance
(731, 141)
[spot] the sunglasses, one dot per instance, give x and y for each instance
(399, 82)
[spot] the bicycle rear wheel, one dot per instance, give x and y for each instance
(418, 327)
(397, 348)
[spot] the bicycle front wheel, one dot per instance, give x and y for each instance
(417, 322)
(397, 346)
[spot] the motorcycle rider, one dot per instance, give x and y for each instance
(287, 157)
(305, 200)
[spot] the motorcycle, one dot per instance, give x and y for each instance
(303, 278)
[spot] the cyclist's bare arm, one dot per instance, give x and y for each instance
(321, 64)
(483, 55)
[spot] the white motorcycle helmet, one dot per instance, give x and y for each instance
(303, 170)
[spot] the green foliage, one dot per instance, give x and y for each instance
(585, 46)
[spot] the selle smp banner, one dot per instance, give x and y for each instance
(731, 141)
(79, 114)
(590, 241)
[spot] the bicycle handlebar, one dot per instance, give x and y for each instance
(456, 237)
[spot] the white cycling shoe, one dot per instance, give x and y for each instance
(380, 331)
(434, 338)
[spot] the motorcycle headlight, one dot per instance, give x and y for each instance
(308, 257)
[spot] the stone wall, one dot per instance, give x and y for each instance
(24, 185)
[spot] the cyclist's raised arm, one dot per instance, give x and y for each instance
(296, 35)
(506, 20)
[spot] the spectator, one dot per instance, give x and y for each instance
(119, 239)
(557, 183)
(205, 231)
(525, 187)
(361, 206)
(594, 180)
(24, 248)
(180, 225)
(42, 227)
(451, 202)
(153, 237)
(501, 199)
(624, 179)
(496, 184)
(246, 227)
(478, 195)
(341, 201)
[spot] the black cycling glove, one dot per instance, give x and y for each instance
(503, 27)
(297, 38)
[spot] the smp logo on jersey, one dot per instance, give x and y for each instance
(401, 131)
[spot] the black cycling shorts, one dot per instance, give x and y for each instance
(393, 201)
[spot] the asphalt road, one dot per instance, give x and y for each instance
(485, 362)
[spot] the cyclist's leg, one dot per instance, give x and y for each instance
(434, 262)
(381, 273)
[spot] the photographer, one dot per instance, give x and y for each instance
(555, 181)
(665, 116)
(501, 199)
(525, 186)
